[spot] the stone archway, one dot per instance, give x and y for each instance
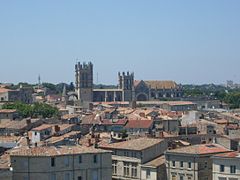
(142, 97)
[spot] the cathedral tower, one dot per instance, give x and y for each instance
(126, 83)
(84, 81)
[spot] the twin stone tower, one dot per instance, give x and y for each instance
(85, 88)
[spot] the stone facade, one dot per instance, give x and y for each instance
(76, 163)
(22, 94)
(192, 162)
(84, 81)
(129, 157)
(226, 166)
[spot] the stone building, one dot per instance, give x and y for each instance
(192, 162)
(130, 156)
(127, 90)
(61, 163)
(154, 90)
(84, 81)
(23, 94)
(226, 166)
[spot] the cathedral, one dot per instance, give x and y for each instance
(128, 89)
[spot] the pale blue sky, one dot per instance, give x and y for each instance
(186, 41)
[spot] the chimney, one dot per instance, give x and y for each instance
(28, 142)
(56, 128)
(28, 121)
(89, 143)
(161, 135)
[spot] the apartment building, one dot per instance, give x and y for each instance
(226, 166)
(61, 163)
(192, 162)
(130, 158)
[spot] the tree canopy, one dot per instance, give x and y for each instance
(34, 110)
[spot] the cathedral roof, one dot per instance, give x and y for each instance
(162, 84)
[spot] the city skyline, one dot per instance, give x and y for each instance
(190, 43)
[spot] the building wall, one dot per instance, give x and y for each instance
(148, 173)
(8, 115)
(5, 174)
(39, 168)
(135, 158)
(154, 152)
(226, 175)
(171, 125)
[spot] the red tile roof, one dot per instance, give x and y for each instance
(112, 122)
(4, 90)
(42, 127)
(201, 149)
(140, 124)
(229, 155)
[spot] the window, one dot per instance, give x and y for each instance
(189, 165)
(174, 177)
(66, 161)
(79, 177)
(67, 176)
(134, 170)
(134, 154)
(189, 178)
(205, 165)
(80, 159)
(114, 167)
(233, 169)
(148, 174)
(181, 178)
(126, 169)
(222, 168)
(52, 162)
(125, 153)
(95, 175)
(181, 164)
(35, 133)
(173, 163)
(95, 158)
(53, 177)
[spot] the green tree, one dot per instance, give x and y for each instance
(34, 110)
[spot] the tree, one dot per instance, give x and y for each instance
(34, 110)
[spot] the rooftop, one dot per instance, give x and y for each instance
(201, 149)
(156, 162)
(4, 90)
(8, 110)
(179, 103)
(42, 127)
(229, 155)
(5, 161)
(56, 151)
(141, 124)
(134, 144)
(119, 122)
(69, 116)
(162, 84)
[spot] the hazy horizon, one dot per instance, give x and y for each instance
(190, 42)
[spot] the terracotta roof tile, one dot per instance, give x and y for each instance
(142, 124)
(200, 149)
(134, 144)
